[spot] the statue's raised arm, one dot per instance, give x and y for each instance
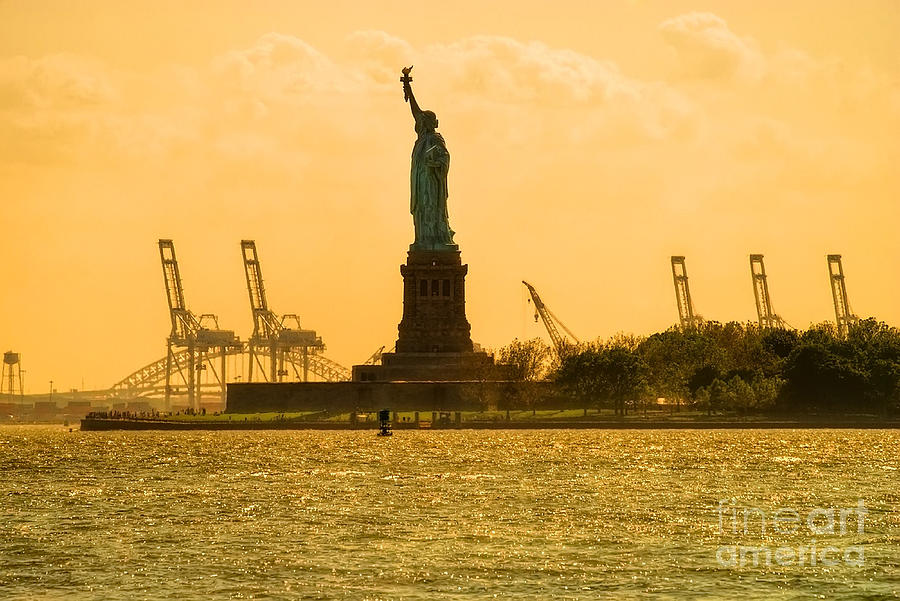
(408, 93)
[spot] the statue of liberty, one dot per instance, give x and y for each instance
(428, 179)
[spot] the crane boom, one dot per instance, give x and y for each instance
(683, 294)
(275, 335)
(764, 310)
(265, 323)
(843, 314)
(183, 321)
(375, 357)
(254, 276)
(560, 342)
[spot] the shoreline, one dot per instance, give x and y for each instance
(110, 424)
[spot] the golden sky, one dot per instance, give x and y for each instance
(589, 141)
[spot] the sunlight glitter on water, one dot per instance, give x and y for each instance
(451, 514)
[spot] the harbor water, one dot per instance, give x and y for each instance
(563, 514)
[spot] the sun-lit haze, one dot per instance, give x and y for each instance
(589, 141)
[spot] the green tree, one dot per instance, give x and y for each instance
(530, 359)
(743, 368)
(605, 376)
(817, 378)
(780, 342)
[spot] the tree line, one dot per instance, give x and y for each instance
(725, 368)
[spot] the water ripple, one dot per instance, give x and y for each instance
(423, 515)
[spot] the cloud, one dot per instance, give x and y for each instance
(55, 81)
(259, 103)
(280, 104)
(498, 90)
(509, 70)
(278, 67)
(708, 49)
(524, 90)
(50, 106)
(379, 55)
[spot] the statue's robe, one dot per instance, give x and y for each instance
(428, 192)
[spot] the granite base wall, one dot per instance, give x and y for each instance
(398, 396)
(434, 367)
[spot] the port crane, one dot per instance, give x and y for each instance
(764, 311)
(686, 315)
(196, 335)
(843, 314)
(194, 343)
(561, 344)
(280, 340)
(375, 358)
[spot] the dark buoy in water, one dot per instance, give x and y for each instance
(384, 419)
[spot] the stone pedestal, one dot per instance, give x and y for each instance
(434, 343)
(434, 304)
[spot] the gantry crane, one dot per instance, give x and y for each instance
(560, 342)
(686, 315)
(764, 310)
(198, 336)
(271, 333)
(843, 314)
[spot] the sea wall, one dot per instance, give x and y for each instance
(398, 396)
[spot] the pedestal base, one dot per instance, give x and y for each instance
(433, 367)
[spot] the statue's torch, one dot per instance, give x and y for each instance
(406, 80)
